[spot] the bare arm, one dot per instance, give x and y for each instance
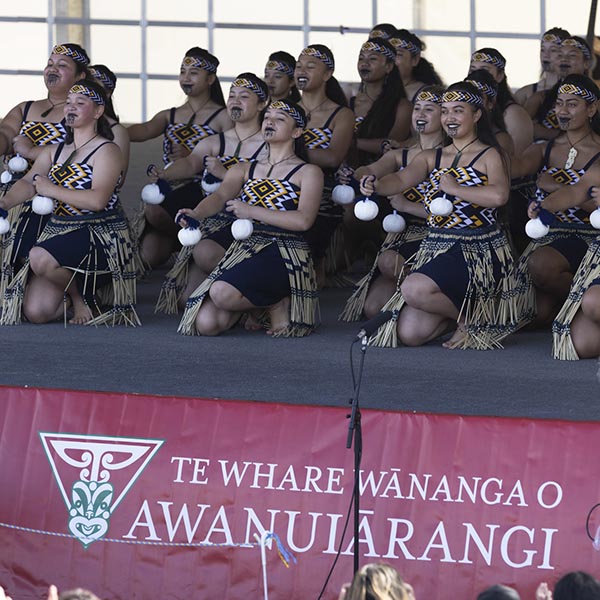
(23, 189)
(190, 165)
(493, 194)
(105, 174)
(122, 140)
(150, 129)
(10, 127)
(228, 190)
(569, 196)
(519, 126)
(385, 165)
(341, 138)
(529, 162)
(301, 219)
(395, 183)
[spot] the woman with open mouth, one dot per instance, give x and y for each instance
(380, 283)
(84, 254)
(25, 130)
(202, 114)
(215, 155)
(328, 138)
(567, 168)
(462, 276)
(271, 269)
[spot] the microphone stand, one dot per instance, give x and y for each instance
(355, 430)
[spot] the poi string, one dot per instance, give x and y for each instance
(266, 539)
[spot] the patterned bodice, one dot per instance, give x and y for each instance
(550, 120)
(320, 137)
(187, 134)
(75, 176)
(574, 214)
(274, 194)
(465, 215)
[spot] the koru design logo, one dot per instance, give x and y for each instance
(94, 473)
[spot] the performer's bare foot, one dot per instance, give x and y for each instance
(81, 313)
(279, 315)
(457, 339)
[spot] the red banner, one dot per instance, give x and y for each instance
(140, 497)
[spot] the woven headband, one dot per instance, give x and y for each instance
(318, 54)
(200, 63)
(84, 90)
(552, 38)
(375, 46)
(252, 86)
(379, 33)
(428, 96)
(575, 90)
(290, 110)
(278, 65)
(484, 88)
(103, 78)
(403, 44)
(577, 44)
(488, 58)
(71, 53)
(462, 96)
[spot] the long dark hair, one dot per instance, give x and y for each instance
(104, 130)
(289, 61)
(379, 121)
(486, 78)
(505, 97)
(423, 71)
(108, 80)
(216, 93)
(333, 89)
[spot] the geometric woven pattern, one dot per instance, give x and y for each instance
(75, 176)
(42, 134)
(274, 194)
(317, 138)
(185, 134)
(464, 214)
(574, 214)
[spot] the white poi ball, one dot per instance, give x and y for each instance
(6, 177)
(343, 194)
(17, 164)
(241, 229)
(151, 194)
(42, 205)
(441, 207)
(535, 229)
(188, 236)
(4, 225)
(595, 218)
(366, 210)
(394, 223)
(209, 187)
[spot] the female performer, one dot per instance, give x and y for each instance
(272, 269)
(108, 80)
(247, 99)
(202, 115)
(328, 137)
(85, 248)
(279, 77)
(461, 276)
(566, 167)
(518, 122)
(380, 283)
(25, 130)
(415, 70)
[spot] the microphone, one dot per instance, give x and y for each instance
(372, 325)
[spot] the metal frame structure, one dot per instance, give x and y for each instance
(53, 21)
